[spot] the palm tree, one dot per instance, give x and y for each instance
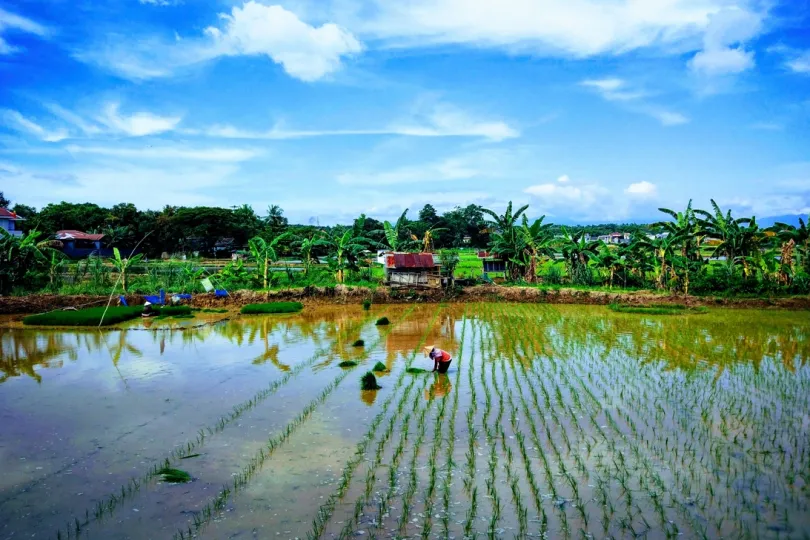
(576, 250)
(539, 242)
(265, 253)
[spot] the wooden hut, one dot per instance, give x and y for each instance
(412, 270)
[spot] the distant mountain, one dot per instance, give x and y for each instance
(790, 220)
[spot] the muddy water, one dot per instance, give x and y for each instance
(557, 419)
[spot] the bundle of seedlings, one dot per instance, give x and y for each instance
(272, 307)
(358, 343)
(379, 366)
(382, 321)
(85, 317)
(347, 363)
(369, 382)
(657, 309)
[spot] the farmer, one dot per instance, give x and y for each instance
(441, 359)
(148, 310)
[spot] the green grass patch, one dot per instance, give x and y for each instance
(85, 317)
(657, 309)
(369, 382)
(272, 307)
(382, 321)
(359, 343)
(209, 310)
(416, 371)
(174, 476)
(347, 363)
(379, 366)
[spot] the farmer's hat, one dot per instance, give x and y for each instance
(147, 303)
(429, 349)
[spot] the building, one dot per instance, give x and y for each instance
(492, 263)
(78, 244)
(9, 222)
(412, 270)
(615, 238)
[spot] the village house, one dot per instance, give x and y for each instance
(78, 244)
(411, 269)
(9, 222)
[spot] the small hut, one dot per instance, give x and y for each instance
(491, 262)
(412, 270)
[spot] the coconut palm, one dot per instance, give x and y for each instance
(265, 253)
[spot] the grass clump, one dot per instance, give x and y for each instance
(369, 382)
(416, 371)
(366, 305)
(174, 476)
(85, 317)
(358, 343)
(379, 366)
(657, 309)
(210, 310)
(382, 321)
(347, 363)
(272, 307)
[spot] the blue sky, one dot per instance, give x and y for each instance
(589, 110)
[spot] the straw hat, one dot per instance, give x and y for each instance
(429, 349)
(147, 303)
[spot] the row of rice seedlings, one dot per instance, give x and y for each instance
(107, 505)
(327, 509)
(242, 479)
(492, 433)
(472, 437)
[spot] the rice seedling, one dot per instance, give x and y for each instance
(369, 381)
(366, 305)
(347, 364)
(85, 317)
(271, 307)
(382, 321)
(379, 366)
(416, 371)
(658, 309)
(358, 343)
(173, 476)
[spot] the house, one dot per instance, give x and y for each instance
(78, 244)
(8, 222)
(615, 238)
(412, 270)
(491, 262)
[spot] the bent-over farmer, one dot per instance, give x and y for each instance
(441, 359)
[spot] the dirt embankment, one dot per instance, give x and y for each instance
(383, 295)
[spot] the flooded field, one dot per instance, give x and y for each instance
(553, 421)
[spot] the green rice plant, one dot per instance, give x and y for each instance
(358, 343)
(347, 364)
(366, 304)
(212, 310)
(85, 317)
(657, 309)
(379, 366)
(271, 307)
(416, 371)
(383, 321)
(369, 381)
(174, 476)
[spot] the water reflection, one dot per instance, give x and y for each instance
(440, 388)
(368, 396)
(720, 338)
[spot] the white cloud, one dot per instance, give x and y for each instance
(137, 124)
(441, 121)
(449, 169)
(642, 189)
(305, 52)
(563, 179)
(168, 153)
(10, 22)
(723, 43)
(18, 122)
(85, 126)
(161, 3)
(800, 63)
(619, 90)
(667, 118)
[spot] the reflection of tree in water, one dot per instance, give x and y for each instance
(720, 338)
(440, 388)
(21, 352)
(368, 396)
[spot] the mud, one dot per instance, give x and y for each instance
(342, 294)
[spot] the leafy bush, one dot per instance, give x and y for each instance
(369, 382)
(553, 276)
(272, 307)
(382, 321)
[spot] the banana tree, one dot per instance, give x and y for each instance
(608, 260)
(264, 253)
(539, 242)
(124, 264)
(576, 250)
(19, 255)
(663, 249)
(393, 233)
(506, 241)
(794, 239)
(307, 245)
(686, 226)
(345, 247)
(427, 239)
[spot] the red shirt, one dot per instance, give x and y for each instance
(444, 356)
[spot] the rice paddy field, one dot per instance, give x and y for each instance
(552, 422)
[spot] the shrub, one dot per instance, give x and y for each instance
(272, 307)
(553, 276)
(379, 366)
(369, 382)
(358, 343)
(366, 305)
(347, 363)
(382, 321)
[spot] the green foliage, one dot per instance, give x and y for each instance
(657, 309)
(85, 317)
(416, 371)
(174, 476)
(449, 259)
(382, 321)
(347, 364)
(379, 366)
(369, 382)
(366, 305)
(272, 307)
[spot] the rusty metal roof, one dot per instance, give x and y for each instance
(78, 235)
(410, 260)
